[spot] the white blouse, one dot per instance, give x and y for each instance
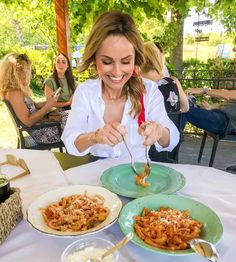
(86, 115)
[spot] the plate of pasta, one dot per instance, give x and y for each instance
(74, 210)
(121, 180)
(166, 223)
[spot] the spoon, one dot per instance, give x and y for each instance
(120, 244)
(205, 249)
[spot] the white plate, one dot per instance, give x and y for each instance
(35, 218)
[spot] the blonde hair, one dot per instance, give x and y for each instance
(154, 59)
(13, 68)
(117, 23)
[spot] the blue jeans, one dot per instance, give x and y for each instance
(213, 121)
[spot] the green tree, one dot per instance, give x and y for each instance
(35, 20)
(29, 22)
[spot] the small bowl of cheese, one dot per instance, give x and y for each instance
(88, 248)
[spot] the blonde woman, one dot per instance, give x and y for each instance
(174, 97)
(15, 76)
(109, 108)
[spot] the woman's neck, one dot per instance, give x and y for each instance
(60, 75)
(113, 95)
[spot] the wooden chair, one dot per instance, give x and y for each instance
(165, 156)
(216, 138)
(24, 139)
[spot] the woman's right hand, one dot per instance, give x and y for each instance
(111, 134)
(51, 100)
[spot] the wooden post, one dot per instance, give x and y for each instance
(63, 28)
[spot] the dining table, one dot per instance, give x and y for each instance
(212, 187)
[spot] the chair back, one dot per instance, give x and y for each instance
(19, 126)
(25, 140)
(216, 138)
(165, 156)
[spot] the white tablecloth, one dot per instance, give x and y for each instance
(214, 188)
(45, 173)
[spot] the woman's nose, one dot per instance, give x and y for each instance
(116, 70)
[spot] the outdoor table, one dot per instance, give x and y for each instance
(212, 187)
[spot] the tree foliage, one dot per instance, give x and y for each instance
(30, 22)
(36, 20)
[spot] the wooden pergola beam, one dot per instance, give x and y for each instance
(62, 27)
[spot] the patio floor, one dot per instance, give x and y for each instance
(225, 154)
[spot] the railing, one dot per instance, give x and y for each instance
(194, 78)
(206, 78)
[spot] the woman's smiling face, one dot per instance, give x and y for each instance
(115, 61)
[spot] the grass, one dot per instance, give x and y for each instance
(201, 51)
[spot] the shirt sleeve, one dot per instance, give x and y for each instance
(51, 83)
(77, 122)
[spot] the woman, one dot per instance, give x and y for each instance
(15, 75)
(61, 77)
(107, 109)
(174, 97)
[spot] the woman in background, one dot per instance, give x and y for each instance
(153, 68)
(62, 77)
(15, 76)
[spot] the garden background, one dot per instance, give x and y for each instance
(29, 26)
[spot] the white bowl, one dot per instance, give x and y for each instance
(78, 247)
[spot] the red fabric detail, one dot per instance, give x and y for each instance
(141, 117)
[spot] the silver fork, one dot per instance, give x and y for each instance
(148, 162)
(132, 161)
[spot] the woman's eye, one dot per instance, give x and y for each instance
(125, 62)
(106, 62)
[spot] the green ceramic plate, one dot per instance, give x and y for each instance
(212, 227)
(121, 180)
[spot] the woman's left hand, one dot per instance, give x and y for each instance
(152, 131)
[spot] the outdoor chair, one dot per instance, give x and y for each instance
(216, 138)
(165, 156)
(24, 140)
(231, 169)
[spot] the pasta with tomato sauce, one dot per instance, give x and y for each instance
(75, 213)
(167, 228)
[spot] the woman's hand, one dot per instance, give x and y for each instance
(110, 134)
(51, 101)
(153, 133)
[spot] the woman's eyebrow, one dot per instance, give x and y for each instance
(123, 58)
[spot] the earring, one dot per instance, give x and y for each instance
(136, 72)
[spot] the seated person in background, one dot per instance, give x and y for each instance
(107, 109)
(61, 77)
(213, 119)
(153, 68)
(15, 76)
